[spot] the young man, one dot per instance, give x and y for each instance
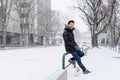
(72, 47)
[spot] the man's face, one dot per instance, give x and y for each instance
(71, 25)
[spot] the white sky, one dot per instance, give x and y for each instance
(65, 7)
(59, 5)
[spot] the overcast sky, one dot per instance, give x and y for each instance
(63, 5)
(60, 5)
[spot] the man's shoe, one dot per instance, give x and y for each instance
(71, 61)
(87, 72)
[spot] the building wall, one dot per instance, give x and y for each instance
(103, 39)
(58, 24)
(43, 19)
(36, 25)
(14, 23)
(43, 10)
(0, 27)
(13, 28)
(0, 20)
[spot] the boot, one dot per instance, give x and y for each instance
(86, 72)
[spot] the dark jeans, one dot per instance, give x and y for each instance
(77, 56)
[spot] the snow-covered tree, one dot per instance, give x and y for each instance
(24, 9)
(95, 13)
(115, 25)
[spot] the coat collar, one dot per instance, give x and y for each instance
(69, 30)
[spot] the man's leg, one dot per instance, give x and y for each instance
(80, 53)
(78, 59)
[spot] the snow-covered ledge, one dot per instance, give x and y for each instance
(59, 75)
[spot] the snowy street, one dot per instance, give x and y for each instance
(42, 63)
(30, 64)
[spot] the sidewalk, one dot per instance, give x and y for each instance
(30, 63)
(104, 64)
(24, 47)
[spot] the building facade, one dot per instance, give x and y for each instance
(32, 20)
(0, 26)
(57, 27)
(13, 29)
(43, 20)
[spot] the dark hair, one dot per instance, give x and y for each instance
(71, 21)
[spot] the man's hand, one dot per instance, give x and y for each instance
(77, 48)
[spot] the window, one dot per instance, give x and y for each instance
(107, 42)
(103, 41)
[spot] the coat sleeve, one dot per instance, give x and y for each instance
(67, 40)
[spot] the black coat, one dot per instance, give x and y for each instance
(69, 40)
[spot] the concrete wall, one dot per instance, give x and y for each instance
(63, 76)
(59, 75)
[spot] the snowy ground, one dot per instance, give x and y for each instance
(104, 64)
(30, 64)
(41, 63)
